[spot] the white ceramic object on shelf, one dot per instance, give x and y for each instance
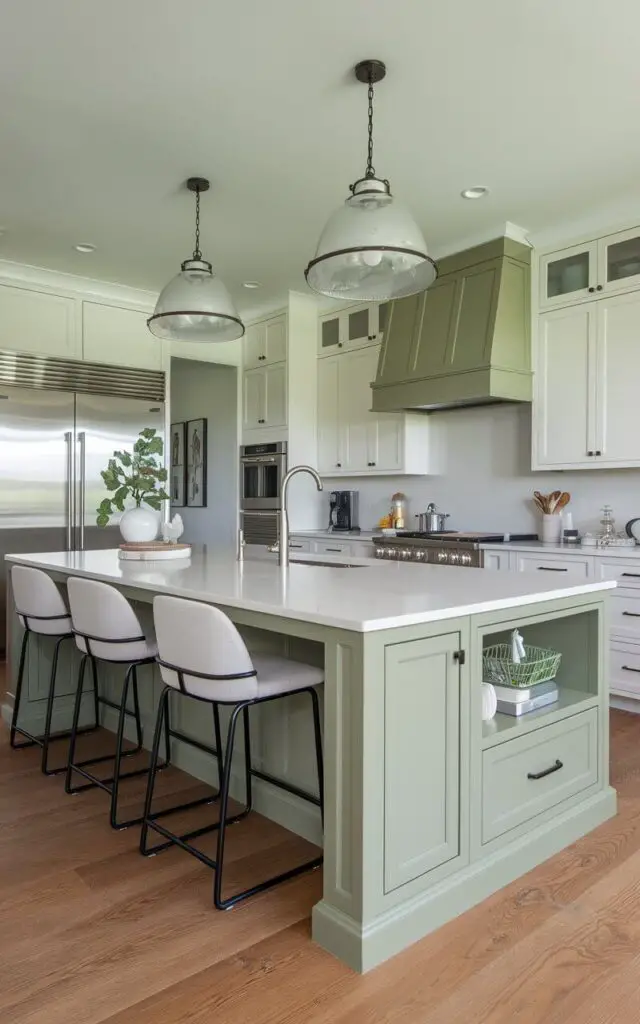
(489, 702)
(551, 529)
(139, 525)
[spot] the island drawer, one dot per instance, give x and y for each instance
(524, 777)
(626, 574)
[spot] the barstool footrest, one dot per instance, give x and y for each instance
(173, 839)
(40, 740)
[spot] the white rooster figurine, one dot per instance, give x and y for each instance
(172, 532)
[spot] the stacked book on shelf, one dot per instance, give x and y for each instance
(518, 700)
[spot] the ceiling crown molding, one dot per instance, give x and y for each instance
(75, 286)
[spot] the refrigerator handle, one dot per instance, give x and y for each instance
(81, 493)
(68, 437)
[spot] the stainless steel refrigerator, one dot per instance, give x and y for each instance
(53, 445)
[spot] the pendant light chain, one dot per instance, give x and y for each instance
(197, 255)
(370, 171)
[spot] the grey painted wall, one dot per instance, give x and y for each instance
(210, 390)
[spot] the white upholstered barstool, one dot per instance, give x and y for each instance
(106, 628)
(202, 655)
(41, 611)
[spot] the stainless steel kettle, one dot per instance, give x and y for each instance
(432, 521)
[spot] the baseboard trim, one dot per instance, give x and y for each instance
(364, 947)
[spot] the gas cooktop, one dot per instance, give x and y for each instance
(448, 548)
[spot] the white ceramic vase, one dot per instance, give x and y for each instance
(551, 529)
(139, 525)
(489, 702)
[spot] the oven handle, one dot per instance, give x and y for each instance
(251, 460)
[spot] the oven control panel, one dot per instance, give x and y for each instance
(433, 555)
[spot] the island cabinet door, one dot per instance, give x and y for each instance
(421, 757)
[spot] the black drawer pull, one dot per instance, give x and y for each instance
(338, 551)
(627, 668)
(295, 545)
(548, 568)
(632, 615)
(548, 771)
(636, 575)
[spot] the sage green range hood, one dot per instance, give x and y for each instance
(465, 341)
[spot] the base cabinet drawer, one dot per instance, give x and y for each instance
(625, 669)
(295, 544)
(571, 567)
(624, 614)
(526, 776)
(332, 547)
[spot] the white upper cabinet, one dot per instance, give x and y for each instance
(266, 342)
(564, 388)
(32, 321)
(617, 377)
(353, 327)
(111, 334)
(352, 440)
(596, 268)
(264, 402)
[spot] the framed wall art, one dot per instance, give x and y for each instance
(196, 444)
(178, 466)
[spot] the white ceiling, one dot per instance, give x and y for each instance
(109, 105)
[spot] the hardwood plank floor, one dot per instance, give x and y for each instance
(91, 932)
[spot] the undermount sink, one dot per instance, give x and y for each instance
(327, 565)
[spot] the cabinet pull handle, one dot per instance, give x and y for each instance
(547, 771)
(636, 575)
(592, 289)
(627, 668)
(632, 615)
(549, 568)
(294, 545)
(337, 551)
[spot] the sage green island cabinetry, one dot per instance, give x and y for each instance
(428, 810)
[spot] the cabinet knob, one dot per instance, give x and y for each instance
(339, 344)
(338, 465)
(598, 453)
(599, 288)
(372, 337)
(370, 463)
(589, 453)
(592, 289)
(262, 421)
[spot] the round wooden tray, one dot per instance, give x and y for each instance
(154, 551)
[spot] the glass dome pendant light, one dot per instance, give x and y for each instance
(195, 305)
(371, 248)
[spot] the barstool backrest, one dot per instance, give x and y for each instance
(35, 594)
(196, 637)
(100, 611)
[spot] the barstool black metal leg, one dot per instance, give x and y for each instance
(167, 730)
(318, 738)
(163, 706)
(247, 761)
(18, 694)
(96, 690)
(136, 709)
(130, 677)
(224, 801)
(74, 725)
(44, 764)
(218, 738)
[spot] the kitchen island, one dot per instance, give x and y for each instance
(428, 809)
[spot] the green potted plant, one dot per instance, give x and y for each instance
(138, 476)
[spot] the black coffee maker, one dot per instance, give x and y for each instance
(343, 511)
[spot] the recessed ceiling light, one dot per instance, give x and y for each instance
(84, 247)
(475, 192)
(250, 284)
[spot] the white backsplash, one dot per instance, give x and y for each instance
(487, 483)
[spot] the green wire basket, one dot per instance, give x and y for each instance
(541, 665)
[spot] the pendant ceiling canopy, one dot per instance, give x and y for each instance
(371, 248)
(195, 305)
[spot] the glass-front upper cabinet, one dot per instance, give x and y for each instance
(619, 261)
(568, 275)
(353, 327)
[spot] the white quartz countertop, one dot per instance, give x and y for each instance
(373, 596)
(538, 548)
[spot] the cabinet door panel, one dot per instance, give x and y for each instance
(474, 317)
(421, 758)
(328, 423)
(618, 374)
(275, 395)
(329, 338)
(569, 275)
(565, 387)
(357, 371)
(433, 348)
(36, 322)
(254, 345)
(386, 450)
(121, 336)
(275, 342)
(253, 404)
(619, 261)
(358, 325)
